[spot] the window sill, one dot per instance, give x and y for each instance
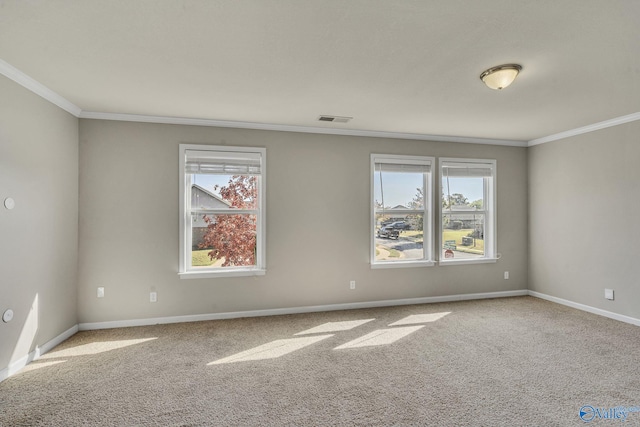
(402, 264)
(227, 273)
(467, 261)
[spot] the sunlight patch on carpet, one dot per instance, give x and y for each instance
(335, 326)
(420, 318)
(272, 350)
(37, 365)
(94, 348)
(380, 337)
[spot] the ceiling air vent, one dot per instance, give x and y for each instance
(335, 119)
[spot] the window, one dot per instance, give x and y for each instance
(467, 220)
(401, 216)
(221, 211)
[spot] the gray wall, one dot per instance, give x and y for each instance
(39, 237)
(567, 222)
(583, 218)
(317, 223)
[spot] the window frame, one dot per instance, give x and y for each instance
(185, 235)
(490, 212)
(427, 211)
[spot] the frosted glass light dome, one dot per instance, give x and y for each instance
(501, 76)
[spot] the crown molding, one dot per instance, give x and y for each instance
(586, 129)
(290, 128)
(22, 79)
(36, 87)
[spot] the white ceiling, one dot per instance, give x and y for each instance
(409, 66)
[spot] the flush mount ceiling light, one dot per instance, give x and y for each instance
(501, 76)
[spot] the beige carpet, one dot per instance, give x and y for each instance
(511, 362)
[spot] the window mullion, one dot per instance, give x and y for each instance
(426, 219)
(224, 211)
(462, 211)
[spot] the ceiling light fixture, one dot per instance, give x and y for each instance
(501, 76)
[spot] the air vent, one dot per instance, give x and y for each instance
(335, 119)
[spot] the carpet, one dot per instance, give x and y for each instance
(502, 362)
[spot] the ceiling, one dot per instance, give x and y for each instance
(409, 66)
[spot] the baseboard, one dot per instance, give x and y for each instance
(17, 365)
(296, 310)
(598, 311)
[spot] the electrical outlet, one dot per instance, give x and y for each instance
(153, 297)
(506, 275)
(100, 292)
(608, 294)
(352, 284)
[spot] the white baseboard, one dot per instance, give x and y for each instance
(16, 366)
(295, 310)
(598, 311)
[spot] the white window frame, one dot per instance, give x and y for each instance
(427, 211)
(489, 211)
(185, 269)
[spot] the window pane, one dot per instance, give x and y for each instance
(400, 210)
(398, 190)
(225, 240)
(467, 206)
(222, 226)
(399, 239)
(463, 193)
(463, 235)
(223, 191)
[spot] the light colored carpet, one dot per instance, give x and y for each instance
(503, 362)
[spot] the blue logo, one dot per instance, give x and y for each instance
(589, 413)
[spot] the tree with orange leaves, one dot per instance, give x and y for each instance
(233, 236)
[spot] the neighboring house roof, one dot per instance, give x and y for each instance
(206, 199)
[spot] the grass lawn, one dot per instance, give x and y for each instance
(457, 235)
(385, 252)
(415, 235)
(394, 253)
(201, 258)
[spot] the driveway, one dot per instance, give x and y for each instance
(406, 246)
(412, 250)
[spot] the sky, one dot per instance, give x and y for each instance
(209, 181)
(399, 188)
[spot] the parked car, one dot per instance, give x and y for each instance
(388, 232)
(400, 225)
